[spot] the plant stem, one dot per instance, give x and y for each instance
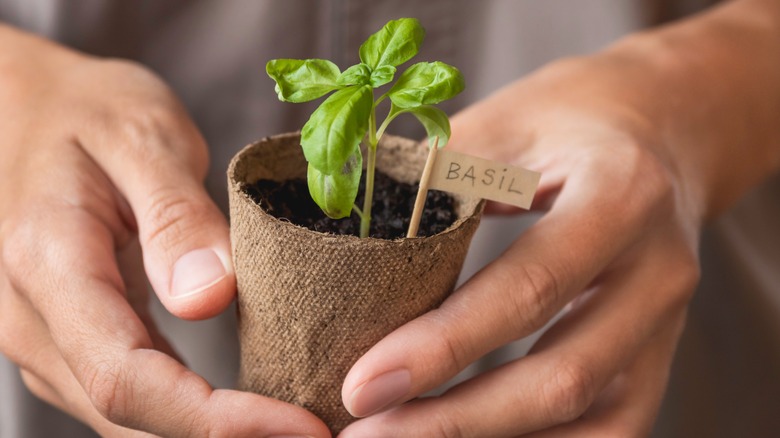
(365, 219)
(383, 126)
(391, 115)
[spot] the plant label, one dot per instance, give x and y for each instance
(493, 180)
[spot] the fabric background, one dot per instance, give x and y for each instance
(213, 54)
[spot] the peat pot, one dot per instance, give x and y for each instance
(311, 304)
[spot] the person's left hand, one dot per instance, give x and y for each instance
(617, 245)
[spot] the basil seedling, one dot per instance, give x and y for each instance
(332, 136)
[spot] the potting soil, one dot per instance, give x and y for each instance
(391, 212)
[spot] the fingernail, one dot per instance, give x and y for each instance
(196, 271)
(380, 393)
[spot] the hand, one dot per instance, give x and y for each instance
(639, 145)
(617, 248)
(102, 169)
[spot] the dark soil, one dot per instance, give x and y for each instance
(392, 210)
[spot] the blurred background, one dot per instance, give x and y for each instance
(725, 381)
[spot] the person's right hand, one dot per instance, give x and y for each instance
(102, 168)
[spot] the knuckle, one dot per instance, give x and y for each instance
(690, 269)
(446, 425)
(147, 118)
(105, 386)
(534, 303)
(653, 172)
(36, 386)
(645, 185)
(447, 349)
(685, 275)
(660, 188)
(38, 251)
(170, 218)
(214, 430)
(143, 131)
(568, 392)
(451, 350)
(152, 136)
(18, 250)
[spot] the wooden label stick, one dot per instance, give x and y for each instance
(422, 193)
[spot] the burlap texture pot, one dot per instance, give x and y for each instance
(311, 304)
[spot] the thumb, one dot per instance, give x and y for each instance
(186, 247)
(184, 237)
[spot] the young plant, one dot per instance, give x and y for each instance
(332, 137)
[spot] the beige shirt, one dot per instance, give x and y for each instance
(213, 53)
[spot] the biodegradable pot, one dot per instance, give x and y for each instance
(310, 304)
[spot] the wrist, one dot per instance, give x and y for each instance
(708, 89)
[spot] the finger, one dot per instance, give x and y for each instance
(629, 405)
(43, 370)
(50, 379)
(158, 160)
(570, 365)
(39, 388)
(512, 297)
(76, 403)
(68, 275)
(20, 342)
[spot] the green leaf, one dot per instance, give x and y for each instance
(426, 83)
(302, 80)
(336, 193)
(335, 128)
(434, 120)
(358, 74)
(382, 75)
(397, 42)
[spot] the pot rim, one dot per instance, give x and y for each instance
(472, 212)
